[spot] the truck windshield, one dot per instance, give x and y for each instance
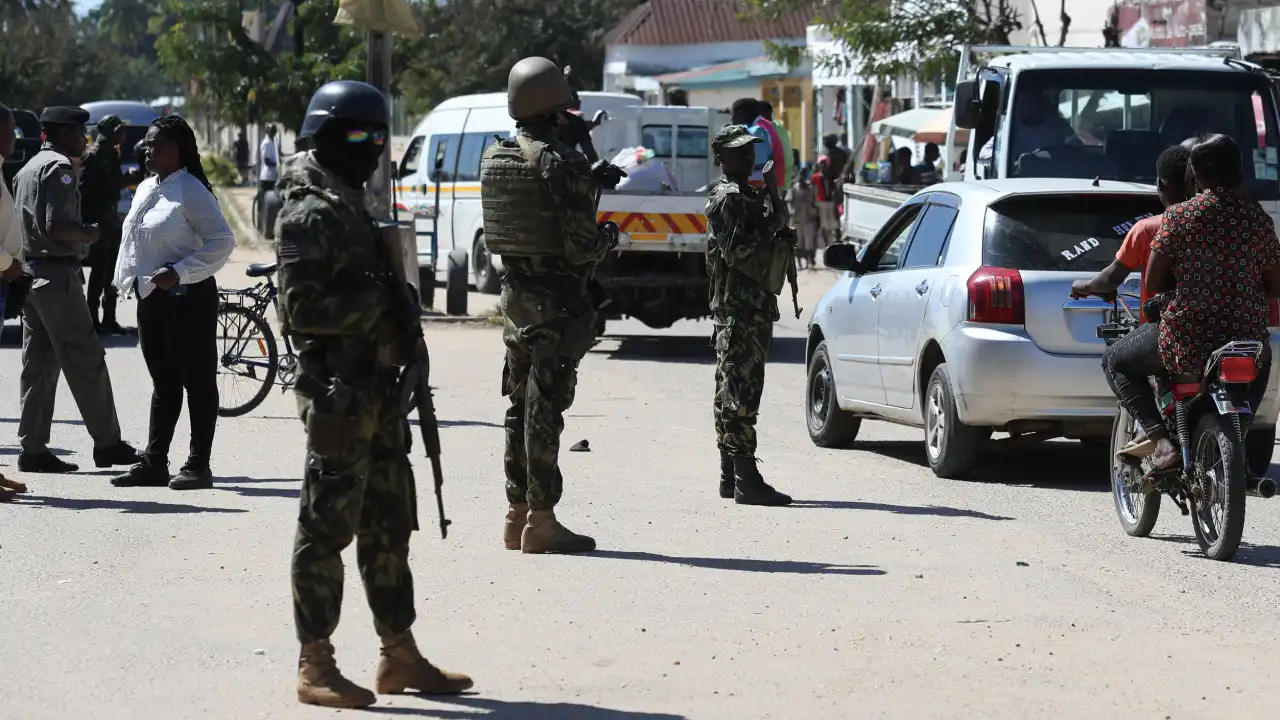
(1113, 124)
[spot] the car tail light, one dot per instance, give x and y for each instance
(1237, 370)
(1273, 313)
(995, 296)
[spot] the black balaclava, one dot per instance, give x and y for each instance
(355, 163)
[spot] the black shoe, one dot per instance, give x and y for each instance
(122, 453)
(111, 327)
(192, 478)
(144, 474)
(750, 488)
(726, 475)
(45, 462)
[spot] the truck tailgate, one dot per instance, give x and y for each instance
(657, 223)
(867, 209)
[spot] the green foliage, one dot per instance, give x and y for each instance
(904, 37)
(236, 78)
(220, 170)
(53, 57)
(470, 45)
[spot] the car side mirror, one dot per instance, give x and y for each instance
(966, 105)
(842, 256)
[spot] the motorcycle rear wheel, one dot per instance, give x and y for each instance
(1221, 470)
(1137, 511)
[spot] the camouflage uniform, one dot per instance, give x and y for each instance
(548, 324)
(742, 246)
(743, 313)
(338, 304)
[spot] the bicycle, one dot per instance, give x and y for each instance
(243, 326)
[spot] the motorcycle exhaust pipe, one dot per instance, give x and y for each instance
(1265, 488)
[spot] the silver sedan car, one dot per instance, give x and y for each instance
(957, 318)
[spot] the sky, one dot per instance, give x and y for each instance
(84, 6)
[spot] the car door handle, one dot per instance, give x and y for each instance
(875, 291)
(923, 287)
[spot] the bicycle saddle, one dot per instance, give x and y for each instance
(260, 269)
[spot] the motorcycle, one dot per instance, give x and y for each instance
(1208, 416)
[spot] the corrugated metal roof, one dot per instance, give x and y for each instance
(694, 22)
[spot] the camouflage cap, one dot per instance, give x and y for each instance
(733, 136)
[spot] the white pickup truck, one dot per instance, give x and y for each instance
(1104, 113)
(658, 273)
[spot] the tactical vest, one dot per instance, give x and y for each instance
(520, 215)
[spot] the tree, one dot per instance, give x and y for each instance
(235, 78)
(901, 38)
(32, 76)
(470, 45)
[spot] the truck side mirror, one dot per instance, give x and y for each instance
(841, 256)
(966, 106)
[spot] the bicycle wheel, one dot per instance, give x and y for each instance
(247, 360)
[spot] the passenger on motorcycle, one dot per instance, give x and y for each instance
(1174, 184)
(1217, 259)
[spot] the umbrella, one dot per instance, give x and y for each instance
(385, 16)
(934, 129)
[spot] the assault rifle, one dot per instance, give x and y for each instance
(771, 183)
(415, 392)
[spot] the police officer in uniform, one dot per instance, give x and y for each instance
(539, 201)
(354, 325)
(101, 181)
(58, 336)
(748, 250)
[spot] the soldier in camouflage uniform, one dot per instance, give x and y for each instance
(747, 253)
(354, 326)
(539, 200)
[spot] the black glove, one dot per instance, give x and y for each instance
(609, 228)
(607, 174)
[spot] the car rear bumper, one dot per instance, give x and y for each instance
(1001, 376)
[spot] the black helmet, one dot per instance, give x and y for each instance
(346, 100)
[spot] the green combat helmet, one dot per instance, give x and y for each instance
(535, 88)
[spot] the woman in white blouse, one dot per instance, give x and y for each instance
(174, 240)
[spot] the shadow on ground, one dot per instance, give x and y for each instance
(1267, 556)
(143, 507)
(1050, 465)
(933, 510)
(795, 567)
(694, 349)
(488, 709)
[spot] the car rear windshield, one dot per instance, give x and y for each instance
(1061, 232)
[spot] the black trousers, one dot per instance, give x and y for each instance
(1135, 357)
(102, 265)
(178, 335)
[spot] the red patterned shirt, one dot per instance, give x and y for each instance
(1219, 243)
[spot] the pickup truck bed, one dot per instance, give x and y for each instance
(868, 207)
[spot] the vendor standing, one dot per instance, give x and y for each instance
(57, 331)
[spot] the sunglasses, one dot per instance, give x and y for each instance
(377, 137)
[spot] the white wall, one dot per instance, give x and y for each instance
(722, 97)
(1088, 17)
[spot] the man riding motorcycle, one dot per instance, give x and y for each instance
(1217, 261)
(1173, 185)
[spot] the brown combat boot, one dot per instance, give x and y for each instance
(402, 668)
(516, 518)
(13, 485)
(545, 534)
(320, 682)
